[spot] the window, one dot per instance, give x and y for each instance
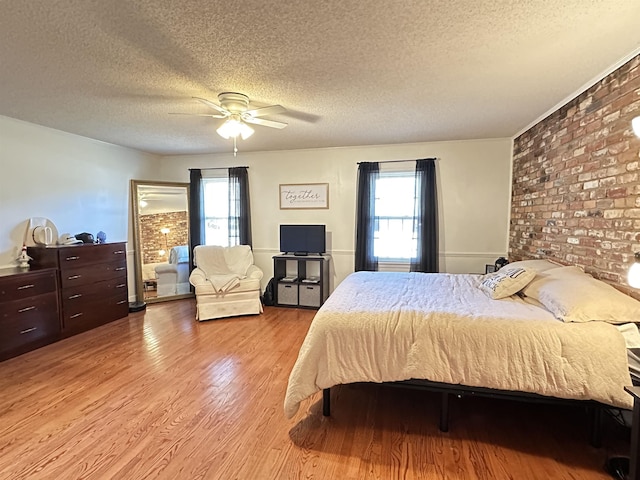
(216, 211)
(219, 207)
(395, 236)
(396, 217)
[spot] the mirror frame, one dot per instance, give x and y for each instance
(137, 238)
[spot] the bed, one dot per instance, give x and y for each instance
(471, 333)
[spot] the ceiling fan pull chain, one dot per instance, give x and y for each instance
(235, 148)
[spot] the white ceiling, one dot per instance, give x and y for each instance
(349, 72)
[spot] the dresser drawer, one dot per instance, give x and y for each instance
(27, 285)
(82, 275)
(84, 255)
(29, 321)
(80, 298)
(79, 318)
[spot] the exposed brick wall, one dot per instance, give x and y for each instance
(576, 182)
(154, 241)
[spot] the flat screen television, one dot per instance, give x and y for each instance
(302, 239)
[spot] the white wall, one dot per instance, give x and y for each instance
(473, 180)
(82, 185)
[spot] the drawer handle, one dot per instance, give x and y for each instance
(309, 288)
(76, 315)
(118, 252)
(119, 269)
(26, 309)
(121, 285)
(22, 332)
(72, 258)
(73, 277)
(121, 302)
(77, 295)
(22, 287)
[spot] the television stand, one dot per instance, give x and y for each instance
(311, 286)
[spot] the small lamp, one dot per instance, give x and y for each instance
(635, 124)
(633, 275)
(164, 231)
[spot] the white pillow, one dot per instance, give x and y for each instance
(542, 278)
(573, 296)
(537, 265)
(506, 281)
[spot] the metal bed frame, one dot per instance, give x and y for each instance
(594, 408)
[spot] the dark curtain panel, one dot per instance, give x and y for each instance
(239, 208)
(196, 212)
(365, 216)
(426, 218)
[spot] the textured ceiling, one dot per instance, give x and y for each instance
(348, 72)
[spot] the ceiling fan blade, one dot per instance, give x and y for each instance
(261, 112)
(212, 105)
(263, 122)
(199, 114)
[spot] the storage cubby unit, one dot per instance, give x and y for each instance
(302, 281)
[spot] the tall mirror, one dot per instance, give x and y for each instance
(161, 236)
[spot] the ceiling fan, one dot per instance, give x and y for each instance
(234, 107)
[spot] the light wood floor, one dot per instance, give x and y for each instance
(159, 395)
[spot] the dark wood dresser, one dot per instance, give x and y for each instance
(28, 310)
(93, 283)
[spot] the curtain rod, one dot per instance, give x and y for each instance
(399, 161)
(218, 168)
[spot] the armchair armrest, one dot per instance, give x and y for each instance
(254, 272)
(197, 277)
(166, 268)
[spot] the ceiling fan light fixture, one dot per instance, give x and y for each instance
(245, 130)
(233, 127)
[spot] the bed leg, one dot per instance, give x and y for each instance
(326, 402)
(444, 412)
(595, 427)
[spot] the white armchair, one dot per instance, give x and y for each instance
(227, 282)
(173, 277)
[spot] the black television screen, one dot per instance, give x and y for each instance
(302, 239)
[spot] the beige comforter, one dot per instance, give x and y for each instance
(379, 327)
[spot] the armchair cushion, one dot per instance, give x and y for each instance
(250, 282)
(244, 285)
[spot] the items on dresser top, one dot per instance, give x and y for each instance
(40, 231)
(68, 239)
(92, 283)
(28, 310)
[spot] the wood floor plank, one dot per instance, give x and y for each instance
(159, 395)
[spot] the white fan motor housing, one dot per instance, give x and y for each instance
(234, 102)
